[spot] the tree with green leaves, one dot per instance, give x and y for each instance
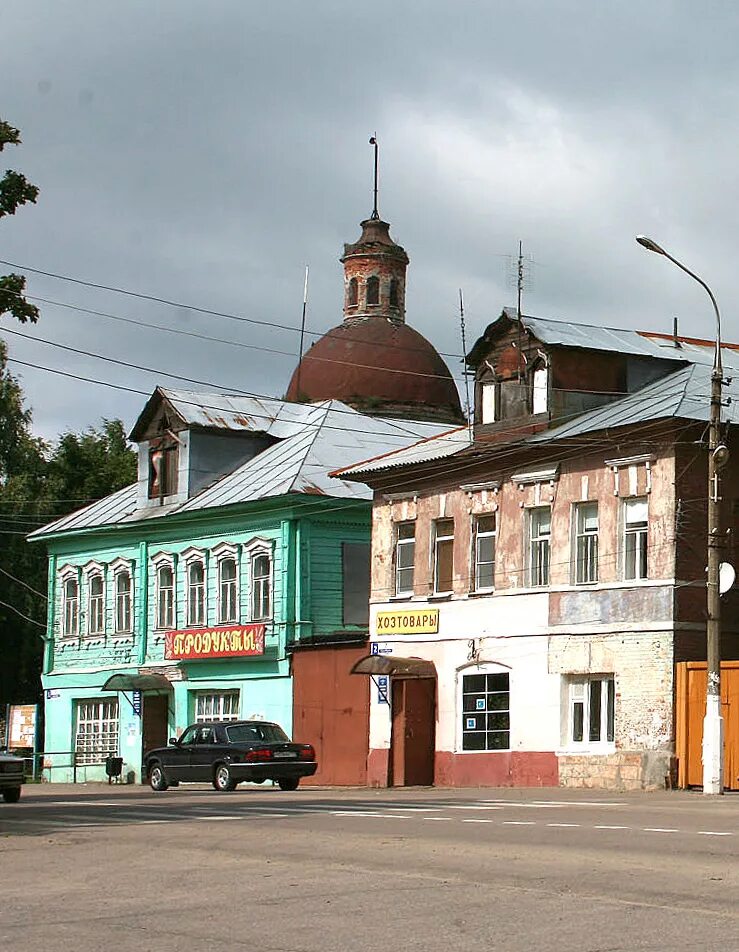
(15, 190)
(40, 483)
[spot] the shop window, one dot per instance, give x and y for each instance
(635, 529)
(373, 290)
(355, 572)
(261, 587)
(165, 592)
(486, 720)
(70, 606)
(443, 555)
(216, 706)
(95, 603)
(591, 714)
(586, 543)
(96, 731)
(353, 297)
(163, 462)
(123, 600)
(484, 531)
(405, 557)
(196, 593)
(227, 590)
(539, 536)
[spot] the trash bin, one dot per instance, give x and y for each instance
(113, 767)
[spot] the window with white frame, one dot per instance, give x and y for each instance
(227, 590)
(165, 592)
(261, 586)
(217, 706)
(539, 532)
(484, 529)
(70, 605)
(96, 730)
(635, 528)
(488, 401)
(443, 575)
(195, 572)
(486, 707)
(591, 710)
(540, 390)
(123, 600)
(586, 543)
(95, 603)
(405, 557)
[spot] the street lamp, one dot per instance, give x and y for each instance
(713, 725)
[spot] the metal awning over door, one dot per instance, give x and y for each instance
(397, 667)
(138, 682)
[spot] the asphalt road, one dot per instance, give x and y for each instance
(92, 868)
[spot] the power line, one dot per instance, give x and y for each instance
(25, 585)
(199, 310)
(22, 615)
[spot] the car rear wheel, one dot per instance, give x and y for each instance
(12, 794)
(157, 780)
(289, 784)
(222, 779)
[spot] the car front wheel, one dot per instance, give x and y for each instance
(222, 779)
(12, 794)
(157, 780)
(289, 784)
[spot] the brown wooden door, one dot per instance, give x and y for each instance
(691, 709)
(155, 714)
(413, 732)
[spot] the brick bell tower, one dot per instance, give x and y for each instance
(374, 274)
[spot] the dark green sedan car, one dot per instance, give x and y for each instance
(226, 753)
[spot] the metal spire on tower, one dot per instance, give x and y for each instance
(375, 214)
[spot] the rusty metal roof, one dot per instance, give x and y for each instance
(423, 451)
(312, 440)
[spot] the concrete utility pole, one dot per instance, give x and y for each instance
(718, 455)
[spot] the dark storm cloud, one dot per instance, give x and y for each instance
(206, 152)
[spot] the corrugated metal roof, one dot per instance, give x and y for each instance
(313, 440)
(432, 448)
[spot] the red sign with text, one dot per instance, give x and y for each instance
(231, 641)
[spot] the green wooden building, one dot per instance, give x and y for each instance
(179, 598)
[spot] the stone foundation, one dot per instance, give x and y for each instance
(622, 770)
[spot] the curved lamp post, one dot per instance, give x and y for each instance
(713, 725)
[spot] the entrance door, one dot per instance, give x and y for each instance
(156, 711)
(413, 732)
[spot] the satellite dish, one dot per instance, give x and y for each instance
(726, 576)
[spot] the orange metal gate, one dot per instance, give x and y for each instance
(690, 695)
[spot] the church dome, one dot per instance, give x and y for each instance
(374, 361)
(380, 367)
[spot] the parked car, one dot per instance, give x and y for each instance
(229, 752)
(11, 777)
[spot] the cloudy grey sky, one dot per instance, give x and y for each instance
(206, 152)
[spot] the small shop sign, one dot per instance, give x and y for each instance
(232, 641)
(409, 621)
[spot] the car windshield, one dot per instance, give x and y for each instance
(256, 734)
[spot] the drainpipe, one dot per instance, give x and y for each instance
(142, 625)
(50, 615)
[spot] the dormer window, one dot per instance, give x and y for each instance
(540, 389)
(163, 459)
(488, 401)
(353, 298)
(373, 290)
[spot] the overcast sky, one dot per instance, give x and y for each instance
(206, 152)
